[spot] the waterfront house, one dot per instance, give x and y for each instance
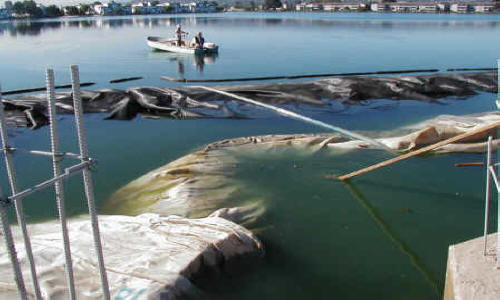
(443, 6)
(428, 7)
(380, 7)
(201, 7)
(300, 6)
(343, 6)
(308, 7)
(138, 8)
(460, 7)
(169, 7)
(403, 7)
(147, 8)
(107, 9)
(483, 7)
(5, 13)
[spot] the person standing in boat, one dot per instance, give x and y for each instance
(179, 33)
(199, 40)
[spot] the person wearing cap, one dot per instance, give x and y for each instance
(179, 33)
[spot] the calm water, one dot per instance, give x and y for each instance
(251, 45)
(384, 237)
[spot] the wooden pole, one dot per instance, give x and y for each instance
(419, 151)
(469, 164)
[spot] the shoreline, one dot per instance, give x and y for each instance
(253, 11)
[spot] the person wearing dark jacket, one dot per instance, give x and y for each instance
(199, 40)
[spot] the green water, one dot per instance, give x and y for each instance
(384, 236)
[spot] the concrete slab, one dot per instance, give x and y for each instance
(470, 274)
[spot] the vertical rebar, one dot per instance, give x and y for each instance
(87, 180)
(18, 203)
(487, 198)
(11, 249)
(58, 185)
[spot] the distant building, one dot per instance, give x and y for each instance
(483, 7)
(300, 6)
(380, 7)
(460, 7)
(170, 7)
(443, 6)
(146, 8)
(343, 6)
(190, 7)
(110, 8)
(402, 7)
(201, 7)
(5, 13)
(308, 7)
(427, 7)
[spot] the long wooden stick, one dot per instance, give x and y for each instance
(419, 151)
(469, 164)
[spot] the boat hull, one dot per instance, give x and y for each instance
(169, 45)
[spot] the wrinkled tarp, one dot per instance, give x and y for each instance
(146, 257)
(192, 102)
(202, 181)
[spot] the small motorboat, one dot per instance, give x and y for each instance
(170, 45)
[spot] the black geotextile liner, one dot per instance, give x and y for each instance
(191, 102)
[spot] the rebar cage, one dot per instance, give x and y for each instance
(16, 197)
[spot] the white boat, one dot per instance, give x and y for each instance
(170, 45)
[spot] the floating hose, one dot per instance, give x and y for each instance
(297, 116)
(125, 79)
(65, 86)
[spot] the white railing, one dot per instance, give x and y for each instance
(17, 197)
(491, 175)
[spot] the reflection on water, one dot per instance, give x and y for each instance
(202, 59)
(181, 60)
(251, 45)
(37, 27)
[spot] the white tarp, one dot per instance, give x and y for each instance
(145, 256)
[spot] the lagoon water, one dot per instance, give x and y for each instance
(386, 236)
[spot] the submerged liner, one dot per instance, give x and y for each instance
(191, 102)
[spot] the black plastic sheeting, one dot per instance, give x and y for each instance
(191, 102)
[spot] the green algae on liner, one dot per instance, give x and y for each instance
(203, 181)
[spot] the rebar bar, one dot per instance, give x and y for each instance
(58, 185)
(87, 180)
(18, 203)
(11, 249)
(68, 172)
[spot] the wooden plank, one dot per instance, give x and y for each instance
(469, 164)
(419, 151)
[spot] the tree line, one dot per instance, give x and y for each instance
(30, 8)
